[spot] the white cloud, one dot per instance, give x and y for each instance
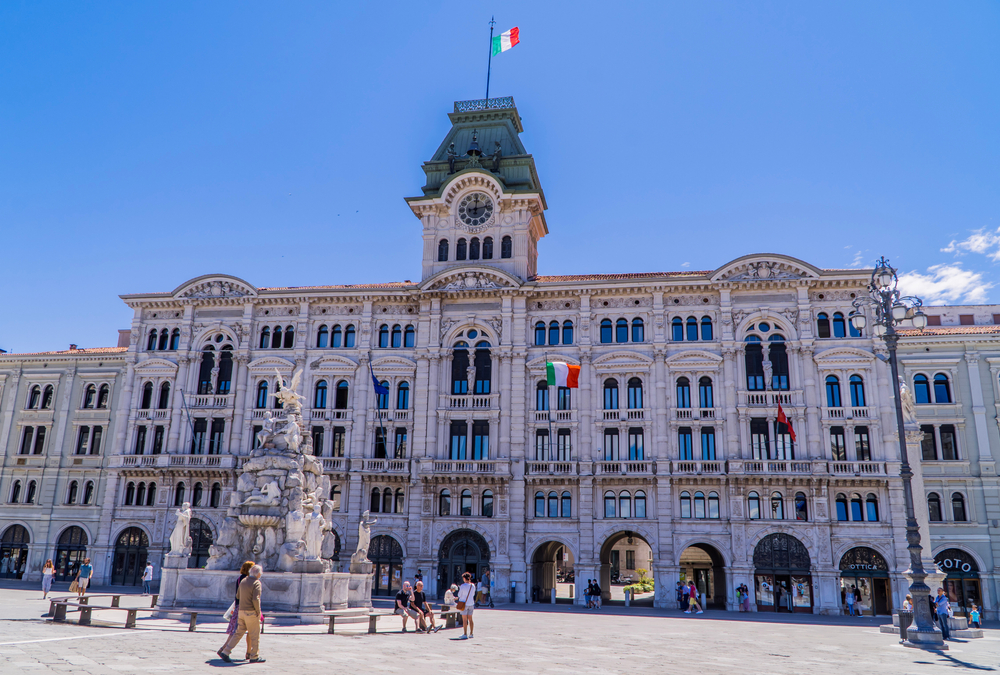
(687, 264)
(946, 284)
(980, 241)
(859, 259)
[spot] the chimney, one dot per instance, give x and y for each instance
(72, 347)
(124, 337)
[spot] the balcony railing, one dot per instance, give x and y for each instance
(624, 468)
(485, 104)
(767, 399)
(552, 468)
(707, 413)
(174, 461)
(636, 413)
(465, 466)
(474, 402)
(152, 414)
(212, 401)
(700, 467)
(334, 464)
(611, 415)
(847, 413)
(857, 468)
(777, 466)
(556, 415)
(383, 465)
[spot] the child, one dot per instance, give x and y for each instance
(974, 617)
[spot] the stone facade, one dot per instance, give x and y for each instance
(671, 437)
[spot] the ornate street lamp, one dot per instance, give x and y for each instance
(889, 309)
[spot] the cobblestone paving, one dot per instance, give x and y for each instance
(535, 639)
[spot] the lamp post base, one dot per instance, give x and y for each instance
(931, 640)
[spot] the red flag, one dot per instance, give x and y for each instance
(784, 420)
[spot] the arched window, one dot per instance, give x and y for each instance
(857, 513)
(276, 338)
(542, 395)
(832, 391)
(486, 505)
(692, 329)
(383, 336)
(609, 504)
(216, 497)
(554, 333)
(753, 358)
(567, 505)
(34, 397)
(89, 396)
(851, 330)
(444, 503)
(289, 337)
(488, 248)
(460, 249)
(322, 337)
(705, 397)
(397, 336)
(382, 400)
(553, 505)
(466, 503)
(921, 389)
(942, 392)
(841, 507)
(196, 494)
(777, 506)
(699, 504)
(443, 250)
(638, 330)
(934, 507)
(74, 487)
(410, 337)
(163, 340)
(539, 505)
(677, 329)
(375, 503)
(387, 500)
(474, 248)
(871, 506)
(611, 394)
(336, 336)
(265, 337)
(801, 507)
(151, 495)
(175, 339)
(319, 398)
(400, 501)
(129, 494)
(624, 504)
(683, 393)
(778, 355)
(29, 498)
(857, 391)
(179, 494)
(261, 394)
(839, 328)
(753, 506)
(147, 396)
(205, 371)
(634, 393)
(706, 328)
(102, 396)
(539, 333)
(349, 335)
(140, 494)
(506, 247)
(15, 492)
(713, 505)
(606, 336)
(403, 396)
(343, 389)
(483, 363)
(621, 331)
(151, 341)
(822, 325)
(88, 492)
(164, 401)
(958, 507)
(685, 505)
(567, 333)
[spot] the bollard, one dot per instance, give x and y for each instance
(628, 595)
(333, 618)
(553, 596)
(572, 589)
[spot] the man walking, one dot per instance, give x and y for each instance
(682, 596)
(249, 617)
(693, 598)
(147, 578)
(941, 603)
(83, 577)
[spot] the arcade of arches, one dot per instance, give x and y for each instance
(552, 570)
(704, 564)
(461, 551)
(622, 554)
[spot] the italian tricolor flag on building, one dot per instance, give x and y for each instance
(505, 41)
(563, 375)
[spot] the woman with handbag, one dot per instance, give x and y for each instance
(466, 603)
(47, 573)
(232, 614)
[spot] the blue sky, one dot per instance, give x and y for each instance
(142, 144)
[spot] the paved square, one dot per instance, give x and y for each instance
(534, 639)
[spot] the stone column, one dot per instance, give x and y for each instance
(503, 446)
(239, 404)
(659, 403)
(584, 405)
(176, 404)
(810, 387)
(726, 401)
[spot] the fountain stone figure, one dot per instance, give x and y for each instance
(180, 539)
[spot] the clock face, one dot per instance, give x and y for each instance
(475, 210)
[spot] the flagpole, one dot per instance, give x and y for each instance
(489, 63)
(549, 387)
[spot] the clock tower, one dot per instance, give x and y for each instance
(482, 207)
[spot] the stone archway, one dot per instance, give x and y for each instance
(552, 570)
(461, 551)
(129, 561)
(623, 554)
(705, 565)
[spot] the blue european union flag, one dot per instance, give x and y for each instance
(379, 389)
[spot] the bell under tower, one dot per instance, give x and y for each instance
(482, 205)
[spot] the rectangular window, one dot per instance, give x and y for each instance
(157, 439)
(255, 442)
(708, 443)
(610, 445)
(862, 444)
(635, 445)
(684, 441)
(140, 440)
(966, 320)
(630, 560)
(542, 398)
(215, 438)
(400, 445)
(317, 439)
(949, 447)
(542, 445)
(783, 446)
(459, 434)
(95, 446)
(933, 320)
(29, 433)
(564, 448)
(564, 398)
(480, 439)
(337, 449)
(838, 444)
(380, 443)
(759, 441)
(928, 444)
(39, 440)
(198, 438)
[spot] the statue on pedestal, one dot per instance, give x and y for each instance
(906, 398)
(180, 538)
(364, 538)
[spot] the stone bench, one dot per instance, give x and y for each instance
(449, 615)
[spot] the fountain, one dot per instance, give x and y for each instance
(278, 517)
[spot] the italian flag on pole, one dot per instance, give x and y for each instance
(563, 375)
(505, 41)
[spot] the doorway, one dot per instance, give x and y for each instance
(552, 568)
(71, 549)
(14, 552)
(461, 551)
(130, 557)
(704, 564)
(864, 574)
(387, 559)
(626, 557)
(782, 578)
